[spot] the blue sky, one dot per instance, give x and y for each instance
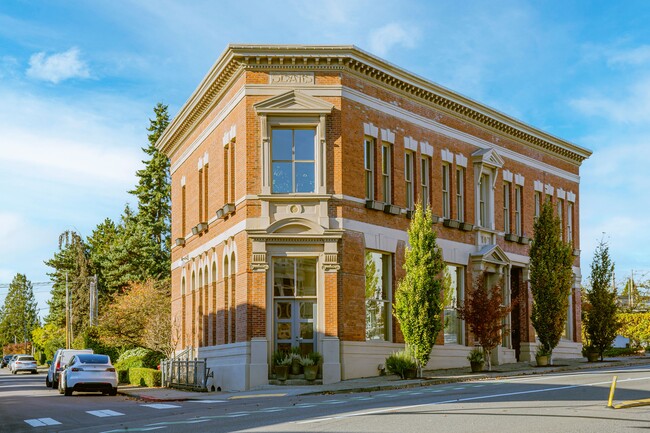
(79, 79)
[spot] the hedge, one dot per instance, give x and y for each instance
(145, 377)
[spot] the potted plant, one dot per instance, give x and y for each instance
(282, 368)
(542, 356)
(309, 367)
(402, 364)
(295, 360)
(591, 353)
(476, 360)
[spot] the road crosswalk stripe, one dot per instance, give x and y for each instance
(104, 413)
(160, 406)
(40, 422)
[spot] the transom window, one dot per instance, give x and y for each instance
(293, 161)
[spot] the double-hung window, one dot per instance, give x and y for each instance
(460, 194)
(378, 295)
(425, 163)
(293, 160)
(484, 197)
(560, 215)
(506, 207)
(386, 171)
(569, 224)
(408, 179)
(538, 203)
(446, 208)
(518, 196)
(454, 333)
(369, 166)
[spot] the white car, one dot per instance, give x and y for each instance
(60, 360)
(88, 372)
(23, 363)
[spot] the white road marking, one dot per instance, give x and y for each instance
(160, 406)
(104, 413)
(207, 401)
(459, 400)
(40, 422)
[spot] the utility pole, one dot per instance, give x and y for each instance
(93, 300)
(67, 313)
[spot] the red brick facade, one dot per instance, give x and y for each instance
(219, 146)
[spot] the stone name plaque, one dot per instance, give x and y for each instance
(292, 78)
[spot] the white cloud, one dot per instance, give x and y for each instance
(630, 105)
(391, 35)
(635, 56)
(57, 67)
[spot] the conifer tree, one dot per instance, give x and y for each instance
(551, 278)
(601, 323)
(419, 298)
(154, 195)
(19, 314)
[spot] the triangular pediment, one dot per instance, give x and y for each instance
(488, 157)
(293, 102)
(491, 254)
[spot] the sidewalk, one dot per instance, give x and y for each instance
(377, 383)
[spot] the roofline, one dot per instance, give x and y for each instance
(237, 57)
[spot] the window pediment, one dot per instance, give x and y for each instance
(488, 157)
(491, 254)
(293, 102)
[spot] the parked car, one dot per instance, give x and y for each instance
(5, 360)
(88, 372)
(13, 359)
(61, 358)
(24, 363)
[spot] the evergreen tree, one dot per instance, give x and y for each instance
(551, 278)
(100, 244)
(419, 298)
(601, 323)
(154, 195)
(19, 315)
(71, 262)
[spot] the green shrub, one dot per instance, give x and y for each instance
(145, 377)
(123, 376)
(400, 362)
(476, 355)
(624, 351)
(139, 358)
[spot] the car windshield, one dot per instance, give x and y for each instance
(94, 359)
(26, 358)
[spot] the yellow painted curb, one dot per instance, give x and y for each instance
(238, 397)
(633, 403)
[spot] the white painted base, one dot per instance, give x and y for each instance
(331, 347)
(230, 364)
(362, 358)
(564, 349)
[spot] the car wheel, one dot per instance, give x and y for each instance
(34, 371)
(47, 381)
(67, 391)
(13, 371)
(113, 391)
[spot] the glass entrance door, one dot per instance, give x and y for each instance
(295, 304)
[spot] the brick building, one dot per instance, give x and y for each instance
(294, 173)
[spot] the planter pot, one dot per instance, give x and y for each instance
(476, 366)
(375, 205)
(512, 237)
(451, 223)
(311, 371)
(593, 356)
(295, 366)
(391, 209)
(466, 227)
(542, 361)
(282, 372)
(411, 373)
(524, 240)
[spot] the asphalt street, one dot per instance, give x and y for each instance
(568, 402)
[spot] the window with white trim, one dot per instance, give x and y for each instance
(518, 210)
(293, 160)
(454, 286)
(460, 194)
(538, 203)
(560, 215)
(386, 172)
(378, 295)
(446, 206)
(425, 163)
(369, 166)
(506, 207)
(484, 197)
(569, 224)
(408, 179)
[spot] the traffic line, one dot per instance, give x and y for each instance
(160, 406)
(239, 397)
(104, 413)
(632, 403)
(40, 422)
(207, 401)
